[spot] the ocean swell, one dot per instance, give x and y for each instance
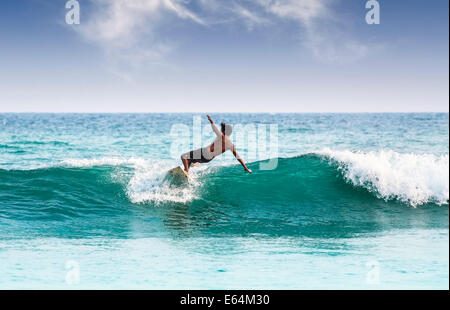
(413, 179)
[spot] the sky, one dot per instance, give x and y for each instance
(224, 56)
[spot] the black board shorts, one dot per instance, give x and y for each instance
(196, 156)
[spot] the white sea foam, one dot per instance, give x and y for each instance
(105, 161)
(149, 182)
(412, 178)
(152, 184)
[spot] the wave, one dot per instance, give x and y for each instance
(320, 178)
(412, 178)
(148, 183)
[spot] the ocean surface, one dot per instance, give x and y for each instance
(354, 201)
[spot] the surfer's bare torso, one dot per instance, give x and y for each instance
(220, 145)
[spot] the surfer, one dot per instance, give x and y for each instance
(221, 144)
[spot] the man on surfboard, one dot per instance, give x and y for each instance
(221, 144)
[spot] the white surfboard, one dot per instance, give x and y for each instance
(179, 173)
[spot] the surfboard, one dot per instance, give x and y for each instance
(179, 173)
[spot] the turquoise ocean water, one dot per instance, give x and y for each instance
(356, 201)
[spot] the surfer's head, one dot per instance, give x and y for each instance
(226, 129)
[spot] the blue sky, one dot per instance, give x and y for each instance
(224, 56)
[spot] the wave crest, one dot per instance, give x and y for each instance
(412, 178)
(149, 182)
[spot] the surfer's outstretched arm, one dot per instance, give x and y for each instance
(214, 128)
(239, 159)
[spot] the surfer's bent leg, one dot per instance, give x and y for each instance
(186, 159)
(194, 157)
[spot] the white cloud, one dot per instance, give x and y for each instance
(321, 30)
(251, 19)
(129, 30)
(302, 10)
(331, 44)
(121, 22)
